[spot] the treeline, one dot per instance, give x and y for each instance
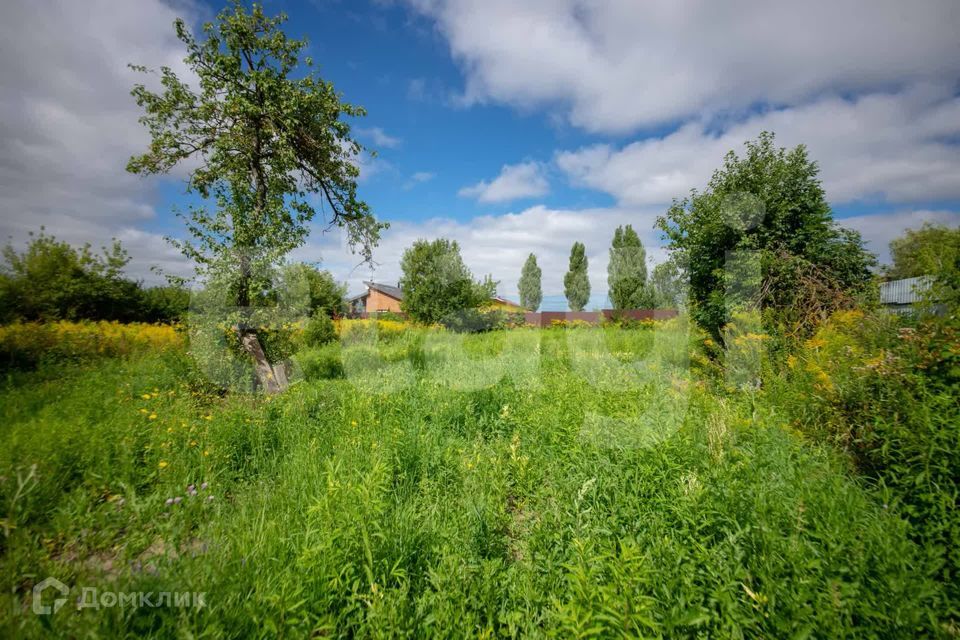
(51, 280)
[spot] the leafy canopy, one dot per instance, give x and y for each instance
(265, 141)
(531, 291)
(324, 293)
(576, 283)
(926, 251)
(436, 283)
(668, 290)
(768, 209)
(627, 271)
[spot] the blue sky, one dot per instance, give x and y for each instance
(510, 127)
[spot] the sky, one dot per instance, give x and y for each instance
(511, 127)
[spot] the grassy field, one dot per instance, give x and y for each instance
(417, 483)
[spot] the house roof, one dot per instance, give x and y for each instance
(386, 289)
(906, 291)
(504, 301)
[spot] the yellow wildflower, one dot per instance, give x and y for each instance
(145, 396)
(152, 416)
(163, 464)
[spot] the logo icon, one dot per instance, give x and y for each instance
(44, 610)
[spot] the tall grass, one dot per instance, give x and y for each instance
(410, 489)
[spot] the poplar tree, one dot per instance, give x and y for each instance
(576, 283)
(627, 271)
(531, 291)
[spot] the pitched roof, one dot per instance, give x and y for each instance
(504, 301)
(386, 289)
(906, 291)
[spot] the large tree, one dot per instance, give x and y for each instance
(264, 140)
(531, 291)
(929, 250)
(627, 270)
(770, 208)
(437, 284)
(667, 285)
(324, 293)
(576, 282)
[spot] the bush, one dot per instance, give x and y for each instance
(27, 345)
(320, 363)
(886, 394)
(475, 321)
(319, 329)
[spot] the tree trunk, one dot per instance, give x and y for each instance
(273, 379)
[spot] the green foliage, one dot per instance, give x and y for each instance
(319, 329)
(475, 320)
(929, 250)
(668, 285)
(444, 510)
(627, 271)
(323, 291)
(886, 393)
(576, 282)
(51, 280)
(531, 291)
(321, 362)
(770, 203)
(436, 283)
(265, 135)
(164, 304)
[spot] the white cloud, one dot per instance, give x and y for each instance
(418, 178)
(379, 137)
(898, 147)
(621, 64)
(68, 123)
(423, 176)
(523, 180)
(879, 229)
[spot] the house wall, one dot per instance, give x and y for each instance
(377, 301)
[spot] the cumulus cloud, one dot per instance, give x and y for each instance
(68, 124)
(879, 229)
(617, 65)
(378, 137)
(525, 180)
(418, 178)
(898, 147)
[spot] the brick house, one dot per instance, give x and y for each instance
(378, 297)
(386, 297)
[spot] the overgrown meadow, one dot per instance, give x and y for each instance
(566, 482)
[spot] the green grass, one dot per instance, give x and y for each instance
(423, 490)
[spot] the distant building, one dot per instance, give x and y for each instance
(386, 297)
(902, 296)
(378, 297)
(502, 304)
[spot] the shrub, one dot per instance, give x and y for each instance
(886, 394)
(475, 321)
(26, 345)
(321, 362)
(319, 329)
